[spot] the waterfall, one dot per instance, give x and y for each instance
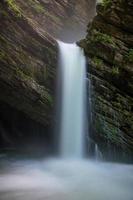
(72, 72)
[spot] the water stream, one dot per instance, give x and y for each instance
(72, 69)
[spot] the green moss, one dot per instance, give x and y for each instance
(21, 73)
(2, 55)
(45, 96)
(3, 12)
(129, 56)
(115, 71)
(12, 5)
(48, 98)
(98, 63)
(39, 8)
(107, 130)
(106, 3)
(5, 57)
(102, 37)
(35, 4)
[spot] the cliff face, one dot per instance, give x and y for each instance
(27, 64)
(28, 58)
(28, 54)
(109, 48)
(63, 19)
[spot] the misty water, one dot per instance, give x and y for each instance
(55, 179)
(69, 176)
(72, 72)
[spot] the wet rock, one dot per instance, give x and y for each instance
(108, 46)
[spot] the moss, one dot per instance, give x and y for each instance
(98, 63)
(108, 131)
(48, 98)
(12, 5)
(5, 57)
(115, 71)
(36, 6)
(45, 96)
(102, 37)
(3, 12)
(2, 55)
(21, 73)
(106, 3)
(129, 56)
(39, 8)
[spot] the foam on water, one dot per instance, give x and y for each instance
(67, 180)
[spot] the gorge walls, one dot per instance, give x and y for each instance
(28, 58)
(109, 49)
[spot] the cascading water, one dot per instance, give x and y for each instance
(72, 70)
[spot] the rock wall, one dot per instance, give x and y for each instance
(28, 58)
(27, 64)
(109, 49)
(62, 19)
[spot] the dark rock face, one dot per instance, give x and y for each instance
(28, 57)
(109, 48)
(21, 135)
(27, 65)
(63, 19)
(27, 75)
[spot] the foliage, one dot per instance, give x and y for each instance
(129, 56)
(35, 4)
(106, 3)
(115, 71)
(39, 8)
(98, 63)
(12, 5)
(2, 55)
(102, 37)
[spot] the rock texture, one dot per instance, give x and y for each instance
(28, 56)
(27, 64)
(63, 19)
(109, 48)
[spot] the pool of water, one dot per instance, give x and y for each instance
(55, 179)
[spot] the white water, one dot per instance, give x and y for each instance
(66, 180)
(72, 70)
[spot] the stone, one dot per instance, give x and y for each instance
(108, 45)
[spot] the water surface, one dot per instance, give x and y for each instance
(55, 179)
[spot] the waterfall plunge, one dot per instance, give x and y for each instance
(72, 72)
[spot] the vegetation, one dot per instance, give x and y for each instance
(106, 3)
(107, 130)
(2, 55)
(36, 6)
(12, 5)
(44, 94)
(98, 63)
(129, 56)
(115, 71)
(102, 37)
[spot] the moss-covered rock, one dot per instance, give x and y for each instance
(27, 64)
(108, 45)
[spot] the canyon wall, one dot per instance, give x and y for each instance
(28, 59)
(109, 50)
